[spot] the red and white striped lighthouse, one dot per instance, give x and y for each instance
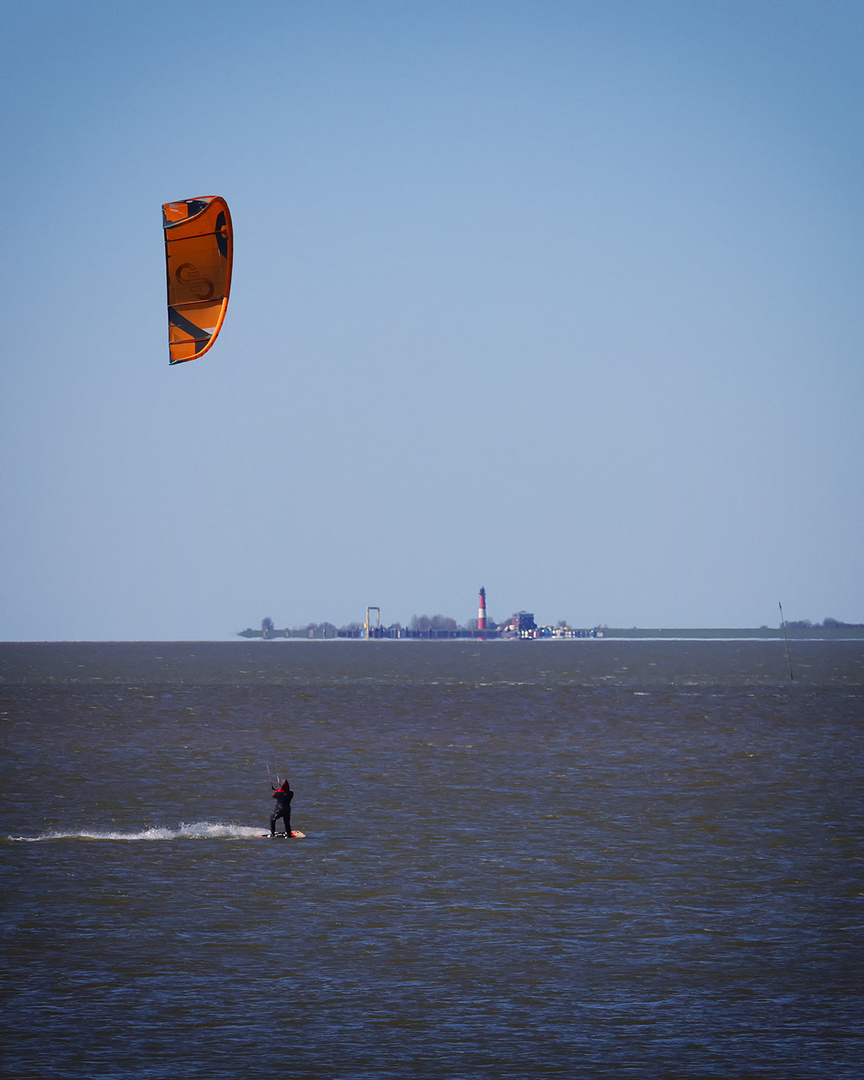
(481, 612)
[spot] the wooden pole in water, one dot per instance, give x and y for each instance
(786, 639)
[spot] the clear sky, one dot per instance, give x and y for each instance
(559, 298)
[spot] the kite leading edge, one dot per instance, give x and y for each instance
(199, 248)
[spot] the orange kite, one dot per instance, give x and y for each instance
(199, 249)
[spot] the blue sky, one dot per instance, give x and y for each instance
(559, 298)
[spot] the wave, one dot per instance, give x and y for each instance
(198, 830)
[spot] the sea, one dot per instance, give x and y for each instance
(547, 859)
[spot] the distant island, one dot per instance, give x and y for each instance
(521, 626)
(427, 628)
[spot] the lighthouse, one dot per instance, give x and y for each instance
(481, 612)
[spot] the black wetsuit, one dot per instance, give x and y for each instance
(283, 810)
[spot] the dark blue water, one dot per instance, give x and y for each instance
(575, 859)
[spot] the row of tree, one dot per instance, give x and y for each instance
(417, 622)
(422, 623)
(826, 624)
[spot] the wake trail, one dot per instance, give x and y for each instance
(199, 830)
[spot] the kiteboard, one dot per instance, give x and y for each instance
(295, 835)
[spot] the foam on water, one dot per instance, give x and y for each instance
(198, 830)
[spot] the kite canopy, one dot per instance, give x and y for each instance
(199, 247)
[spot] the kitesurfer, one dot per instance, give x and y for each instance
(283, 796)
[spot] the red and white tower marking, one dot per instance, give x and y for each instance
(481, 613)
